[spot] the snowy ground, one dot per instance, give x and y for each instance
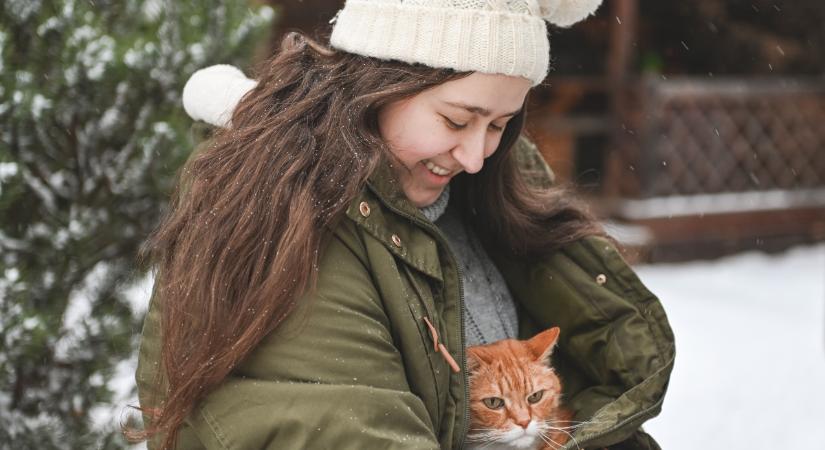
(750, 352)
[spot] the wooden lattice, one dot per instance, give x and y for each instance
(709, 137)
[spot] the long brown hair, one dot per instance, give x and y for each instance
(252, 210)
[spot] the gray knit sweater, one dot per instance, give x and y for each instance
(490, 313)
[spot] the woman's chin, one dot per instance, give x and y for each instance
(425, 199)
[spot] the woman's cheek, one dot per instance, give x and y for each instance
(441, 141)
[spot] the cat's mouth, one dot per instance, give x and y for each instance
(519, 437)
(525, 441)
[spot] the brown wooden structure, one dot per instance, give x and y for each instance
(692, 167)
(715, 166)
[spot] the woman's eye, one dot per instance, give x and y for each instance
(535, 396)
(453, 125)
(493, 402)
(459, 126)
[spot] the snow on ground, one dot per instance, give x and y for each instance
(750, 351)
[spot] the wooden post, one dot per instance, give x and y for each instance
(308, 16)
(621, 87)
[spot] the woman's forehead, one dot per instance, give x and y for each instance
(482, 94)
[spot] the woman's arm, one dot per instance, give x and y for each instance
(329, 377)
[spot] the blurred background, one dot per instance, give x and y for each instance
(695, 130)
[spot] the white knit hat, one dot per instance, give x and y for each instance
(492, 36)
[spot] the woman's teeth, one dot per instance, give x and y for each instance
(438, 170)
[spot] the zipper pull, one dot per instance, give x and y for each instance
(439, 347)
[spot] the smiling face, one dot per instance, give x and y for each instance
(448, 129)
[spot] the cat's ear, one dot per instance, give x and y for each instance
(473, 360)
(542, 344)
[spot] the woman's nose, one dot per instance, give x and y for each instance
(470, 152)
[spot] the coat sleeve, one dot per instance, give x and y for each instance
(328, 377)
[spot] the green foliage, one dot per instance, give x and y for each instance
(91, 133)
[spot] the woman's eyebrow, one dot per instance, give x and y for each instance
(484, 112)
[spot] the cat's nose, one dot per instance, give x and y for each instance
(523, 422)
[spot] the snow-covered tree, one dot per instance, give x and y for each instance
(91, 134)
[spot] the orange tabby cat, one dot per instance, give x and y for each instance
(515, 395)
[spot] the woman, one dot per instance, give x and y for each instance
(369, 211)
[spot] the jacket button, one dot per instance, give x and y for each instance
(396, 240)
(601, 278)
(364, 207)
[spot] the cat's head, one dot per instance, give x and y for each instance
(514, 393)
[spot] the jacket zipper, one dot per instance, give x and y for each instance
(461, 349)
(462, 356)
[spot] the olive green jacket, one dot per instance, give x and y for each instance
(356, 366)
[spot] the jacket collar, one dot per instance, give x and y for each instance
(385, 184)
(396, 222)
(397, 216)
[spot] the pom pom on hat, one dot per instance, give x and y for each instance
(564, 13)
(212, 93)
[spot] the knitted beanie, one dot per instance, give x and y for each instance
(493, 36)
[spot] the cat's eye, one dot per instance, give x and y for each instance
(535, 396)
(493, 402)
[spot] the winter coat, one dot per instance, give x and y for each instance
(356, 366)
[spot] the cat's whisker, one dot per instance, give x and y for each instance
(547, 440)
(484, 431)
(492, 441)
(481, 437)
(571, 428)
(575, 441)
(485, 436)
(535, 391)
(582, 422)
(546, 426)
(576, 424)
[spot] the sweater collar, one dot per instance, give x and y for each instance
(384, 182)
(435, 210)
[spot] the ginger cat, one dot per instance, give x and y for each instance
(515, 395)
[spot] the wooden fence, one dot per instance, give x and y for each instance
(734, 163)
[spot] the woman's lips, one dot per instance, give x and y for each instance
(436, 169)
(432, 177)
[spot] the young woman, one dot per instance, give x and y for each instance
(369, 210)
